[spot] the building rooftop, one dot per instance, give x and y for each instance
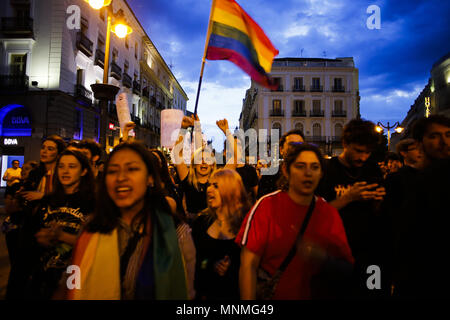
(314, 62)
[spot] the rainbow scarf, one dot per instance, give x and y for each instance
(97, 256)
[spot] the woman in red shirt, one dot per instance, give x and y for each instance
(272, 226)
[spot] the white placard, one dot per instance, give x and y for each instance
(123, 111)
(170, 123)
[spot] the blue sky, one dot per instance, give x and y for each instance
(394, 62)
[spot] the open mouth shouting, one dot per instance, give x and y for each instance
(122, 192)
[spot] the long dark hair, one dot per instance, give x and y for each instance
(86, 187)
(169, 188)
(165, 175)
(107, 214)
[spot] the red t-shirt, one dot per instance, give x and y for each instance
(271, 228)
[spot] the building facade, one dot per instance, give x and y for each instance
(433, 99)
(47, 67)
(315, 95)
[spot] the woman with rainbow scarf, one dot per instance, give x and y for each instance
(129, 250)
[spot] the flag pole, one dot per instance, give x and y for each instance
(204, 55)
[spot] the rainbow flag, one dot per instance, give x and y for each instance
(235, 36)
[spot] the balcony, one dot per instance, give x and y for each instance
(336, 139)
(116, 72)
(82, 95)
(13, 83)
(317, 113)
(338, 89)
(17, 27)
(127, 81)
(316, 89)
(277, 113)
(279, 88)
(99, 58)
(84, 44)
(316, 139)
(298, 88)
(299, 113)
(136, 87)
(339, 114)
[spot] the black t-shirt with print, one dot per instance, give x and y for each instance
(360, 217)
(69, 213)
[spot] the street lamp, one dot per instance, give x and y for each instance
(396, 127)
(103, 91)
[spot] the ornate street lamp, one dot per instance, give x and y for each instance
(105, 92)
(396, 126)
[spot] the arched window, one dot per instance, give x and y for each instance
(317, 130)
(299, 126)
(277, 125)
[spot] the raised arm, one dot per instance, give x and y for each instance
(180, 166)
(223, 126)
(126, 130)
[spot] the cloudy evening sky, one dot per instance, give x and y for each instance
(394, 62)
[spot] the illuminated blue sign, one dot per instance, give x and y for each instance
(14, 121)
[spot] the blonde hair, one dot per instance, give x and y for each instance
(192, 175)
(233, 197)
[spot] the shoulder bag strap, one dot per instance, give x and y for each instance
(293, 250)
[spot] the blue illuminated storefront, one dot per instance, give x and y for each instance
(15, 133)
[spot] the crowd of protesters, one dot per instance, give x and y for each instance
(141, 226)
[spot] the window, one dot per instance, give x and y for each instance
(126, 66)
(18, 64)
(299, 126)
(316, 106)
(23, 11)
(317, 130)
(316, 82)
(338, 82)
(126, 42)
(115, 55)
(136, 48)
(80, 76)
(299, 106)
(338, 107)
(84, 25)
(276, 104)
(298, 83)
(101, 42)
(276, 125)
(277, 83)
